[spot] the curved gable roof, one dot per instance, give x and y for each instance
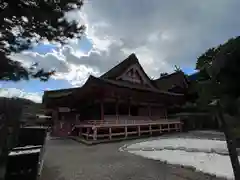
(92, 80)
(121, 67)
(169, 81)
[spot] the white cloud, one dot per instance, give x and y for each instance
(65, 61)
(161, 33)
(13, 92)
(77, 75)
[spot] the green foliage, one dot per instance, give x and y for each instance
(226, 68)
(27, 22)
(177, 69)
(219, 74)
(206, 59)
(163, 74)
(222, 89)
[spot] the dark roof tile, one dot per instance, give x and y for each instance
(169, 81)
(129, 85)
(119, 68)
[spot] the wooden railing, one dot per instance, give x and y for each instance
(132, 120)
(109, 128)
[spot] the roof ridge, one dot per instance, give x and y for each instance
(169, 75)
(132, 57)
(60, 90)
(115, 82)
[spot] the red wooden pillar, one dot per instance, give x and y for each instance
(102, 109)
(129, 107)
(165, 113)
(55, 121)
(117, 105)
(149, 111)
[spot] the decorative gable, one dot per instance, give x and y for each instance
(129, 70)
(134, 75)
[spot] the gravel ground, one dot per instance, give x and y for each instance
(66, 159)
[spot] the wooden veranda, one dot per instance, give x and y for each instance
(120, 129)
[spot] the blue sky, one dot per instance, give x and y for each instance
(43, 49)
(33, 86)
(188, 70)
(85, 45)
(161, 33)
(36, 86)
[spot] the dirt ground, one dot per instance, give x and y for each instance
(66, 159)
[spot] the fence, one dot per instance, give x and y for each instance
(30, 150)
(198, 121)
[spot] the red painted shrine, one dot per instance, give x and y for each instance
(121, 103)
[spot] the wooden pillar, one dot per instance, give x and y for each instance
(102, 109)
(95, 133)
(126, 132)
(80, 131)
(149, 111)
(139, 130)
(150, 129)
(168, 125)
(180, 127)
(165, 113)
(110, 133)
(55, 120)
(116, 108)
(77, 118)
(88, 131)
(129, 107)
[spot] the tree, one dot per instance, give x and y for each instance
(177, 69)
(163, 74)
(207, 58)
(24, 23)
(218, 86)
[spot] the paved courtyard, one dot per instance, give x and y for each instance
(66, 159)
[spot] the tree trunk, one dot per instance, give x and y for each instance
(231, 143)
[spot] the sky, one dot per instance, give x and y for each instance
(161, 33)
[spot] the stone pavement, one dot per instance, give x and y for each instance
(66, 159)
